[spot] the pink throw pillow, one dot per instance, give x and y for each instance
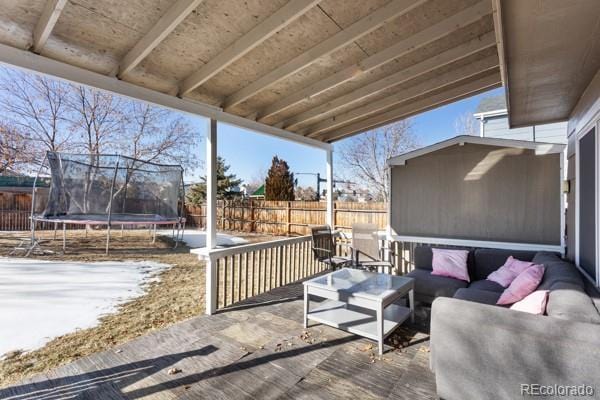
(523, 285)
(509, 271)
(450, 263)
(534, 303)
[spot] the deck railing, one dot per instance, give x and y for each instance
(238, 273)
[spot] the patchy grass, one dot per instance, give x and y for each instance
(178, 295)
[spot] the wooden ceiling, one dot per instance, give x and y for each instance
(324, 70)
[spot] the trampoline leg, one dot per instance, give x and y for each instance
(107, 238)
(154, 234)
(121, 230)
(64, 237)
(86, 230)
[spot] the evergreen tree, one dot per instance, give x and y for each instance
(279, 184)
(226, 183)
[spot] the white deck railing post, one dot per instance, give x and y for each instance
(329, 215)
(211, 215)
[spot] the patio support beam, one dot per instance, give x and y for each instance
(439, 60)
(448, 96)
(48, 19)
(402, 96)
(329, 217)
(211, 184)
(416, 41)
(211, 215)
(161, 29)
(362, 27)
(275, 22)
(42, 65)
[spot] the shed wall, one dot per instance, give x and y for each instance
(479, 192)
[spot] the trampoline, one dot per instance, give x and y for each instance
(109, 190)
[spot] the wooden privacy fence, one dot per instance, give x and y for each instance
(286, 217)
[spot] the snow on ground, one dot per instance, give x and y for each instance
(197, 239)
(40, 300)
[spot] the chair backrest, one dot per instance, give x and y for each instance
(322, 242)
(365, 242)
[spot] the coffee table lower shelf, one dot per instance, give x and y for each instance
(362, 322)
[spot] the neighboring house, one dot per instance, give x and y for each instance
(493, 122)
(259, 194)
(15, 191)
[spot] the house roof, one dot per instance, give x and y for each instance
(491, 103)
(22, 182)
(313, 71)
(539, 147)
(259, 192)
(549, 53)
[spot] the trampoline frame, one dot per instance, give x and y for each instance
(34, 246)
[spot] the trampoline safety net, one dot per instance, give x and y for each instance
(106, 188)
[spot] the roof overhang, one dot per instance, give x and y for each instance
(310, 71)
(538, 147)
(549, 52)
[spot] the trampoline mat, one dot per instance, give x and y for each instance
(117, 219)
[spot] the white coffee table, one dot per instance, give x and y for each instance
(360, 302)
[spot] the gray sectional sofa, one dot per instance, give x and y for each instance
(483, 351)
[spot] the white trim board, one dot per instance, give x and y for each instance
(43, 65)
(479, 243)
(538, 147)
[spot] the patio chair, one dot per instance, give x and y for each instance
(323, 248)
(367, 253)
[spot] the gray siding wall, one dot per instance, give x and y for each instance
(480, 193)
(498, 127)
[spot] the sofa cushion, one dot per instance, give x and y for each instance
(569, 301)
(534, 303)
(423, 256)
(450, 263)
(484, 284)
(557, 270)
(478, 296)
(489, 260)
(428, 287)
(523, 285)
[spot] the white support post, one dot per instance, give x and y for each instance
(211, 215)
(329, 216)
(211, 185)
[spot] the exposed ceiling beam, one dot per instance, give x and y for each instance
(274, 23)
(420, 39)
(161, 29)
(402, 96)
(368, 24)
(447, 57)
(405, 111)
(499, 30)
(60, 70)
(45, 24)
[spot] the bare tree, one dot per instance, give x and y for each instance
(158, 135)
(97, 117)
(13, 149)
(465, 124)
(364, 156)
(37, 107)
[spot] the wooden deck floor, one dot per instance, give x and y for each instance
(258, 350)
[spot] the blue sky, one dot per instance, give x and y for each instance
(248, 152)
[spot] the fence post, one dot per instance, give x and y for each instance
(289, 218)
(211, 285)
(252, 227)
